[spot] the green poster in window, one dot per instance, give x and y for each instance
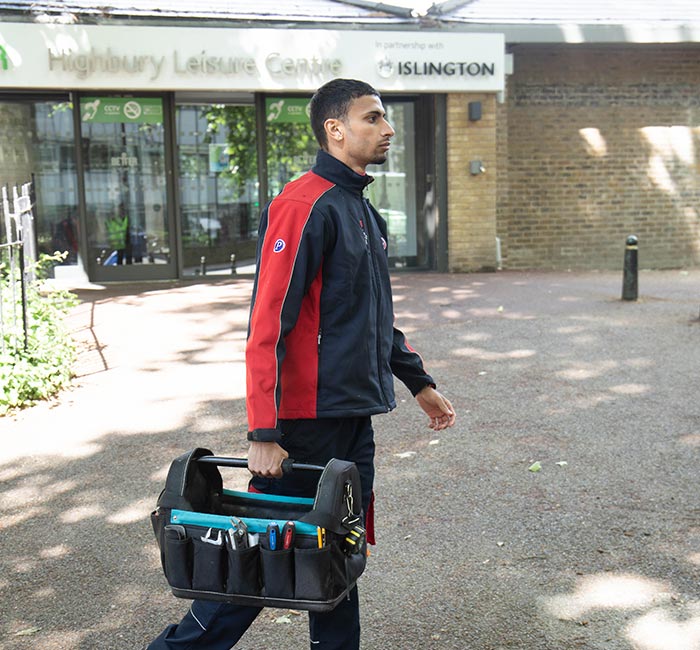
(218, 158)
(117, 110)
(287, 109)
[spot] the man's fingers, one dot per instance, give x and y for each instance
(266, 471)
(273, 469)
(438, 408)
(265, 459)
(450, 415)
(441, 422)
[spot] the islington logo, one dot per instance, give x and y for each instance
(4, 59)
(386, 68)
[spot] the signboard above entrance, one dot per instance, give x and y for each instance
(287, 109)
(111, 110)
(115, 57)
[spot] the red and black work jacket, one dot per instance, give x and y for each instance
(321, 336)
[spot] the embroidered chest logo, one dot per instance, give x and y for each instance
(279, 246)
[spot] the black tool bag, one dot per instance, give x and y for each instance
(219, 544)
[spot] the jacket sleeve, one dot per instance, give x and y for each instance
(405, 362)
(290, 249)
(407, 365)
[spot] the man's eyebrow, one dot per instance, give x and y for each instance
(375, 112)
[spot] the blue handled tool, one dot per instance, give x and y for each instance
(273, 536)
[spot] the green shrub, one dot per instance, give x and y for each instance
(44, 366)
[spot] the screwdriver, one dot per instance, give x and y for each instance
(288, 535)
(273, 533)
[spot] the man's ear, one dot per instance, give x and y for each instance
(335, 130)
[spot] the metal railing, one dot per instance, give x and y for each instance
(17, 257)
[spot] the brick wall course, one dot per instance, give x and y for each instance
(471, 199)
(593, 144)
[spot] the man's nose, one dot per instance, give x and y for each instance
(388, 129)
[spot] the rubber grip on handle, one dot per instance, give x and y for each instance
(288, 464)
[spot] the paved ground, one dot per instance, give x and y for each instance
(600, 549)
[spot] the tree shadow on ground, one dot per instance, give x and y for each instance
(475, 551)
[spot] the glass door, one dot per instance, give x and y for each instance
(400, 190)
(393, 192)
(126, 197)
(290, 143)
(218, 187)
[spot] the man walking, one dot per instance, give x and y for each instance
(322, 349)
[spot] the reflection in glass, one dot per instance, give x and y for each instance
(291, 145)
(37, 145)
(292, 150)
(125, 187)
(218, 169)
(393, 192)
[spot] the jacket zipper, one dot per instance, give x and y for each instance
(318, 361)
(364, 234)
(377, 285)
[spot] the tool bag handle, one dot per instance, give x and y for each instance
(194, 482)
(328, 511)
(288, 464)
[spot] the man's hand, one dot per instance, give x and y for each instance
(437, 407)
(265, 459)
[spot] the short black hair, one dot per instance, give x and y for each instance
(332, 101)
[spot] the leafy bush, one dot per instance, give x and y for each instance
(44, 366)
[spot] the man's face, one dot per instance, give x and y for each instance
(365, 134)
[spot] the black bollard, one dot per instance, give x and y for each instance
(203, 265)
(629, 279)
(233, 264)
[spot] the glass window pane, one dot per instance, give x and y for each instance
(37, 144)
(393, 192)
(219, 191)
(125, 183)
(291, 145)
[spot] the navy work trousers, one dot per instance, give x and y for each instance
(218, 626)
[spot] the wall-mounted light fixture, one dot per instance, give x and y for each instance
(474, 111)
(476, 167)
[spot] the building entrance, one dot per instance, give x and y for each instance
(395, 188)
(400, 190)
(128, 224)
(217, 185)
(143, 188)
(236, 155)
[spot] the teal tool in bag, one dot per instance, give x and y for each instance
(260, 549)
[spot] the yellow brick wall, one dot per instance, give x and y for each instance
(597, 143)
(471, 199)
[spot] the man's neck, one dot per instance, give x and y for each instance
(339, 154)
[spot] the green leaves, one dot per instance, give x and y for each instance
(43, 367)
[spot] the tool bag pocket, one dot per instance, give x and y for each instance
(194, 528)
(278, 573)
(177, 561)
(208, 566)
(244, 571)
(313, 579)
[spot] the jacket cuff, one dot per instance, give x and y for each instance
(265, 435)
(417, 386)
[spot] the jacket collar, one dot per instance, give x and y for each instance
(339, 173)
